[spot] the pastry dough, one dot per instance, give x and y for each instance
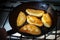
(21, 19)
(34, 20)
(46, 19)
(30, 29)
(34, 12)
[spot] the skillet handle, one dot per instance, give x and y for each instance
(3, 34)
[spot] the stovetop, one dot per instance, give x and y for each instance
(5, 8)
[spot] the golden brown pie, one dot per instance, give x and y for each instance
(30, 29)
(21, 19)
(34, 20)
(46, 19)
(35, 12)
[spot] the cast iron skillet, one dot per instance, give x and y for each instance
(34, 5)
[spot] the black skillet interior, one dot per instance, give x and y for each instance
(34, 5)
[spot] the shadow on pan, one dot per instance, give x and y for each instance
(33, 5)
